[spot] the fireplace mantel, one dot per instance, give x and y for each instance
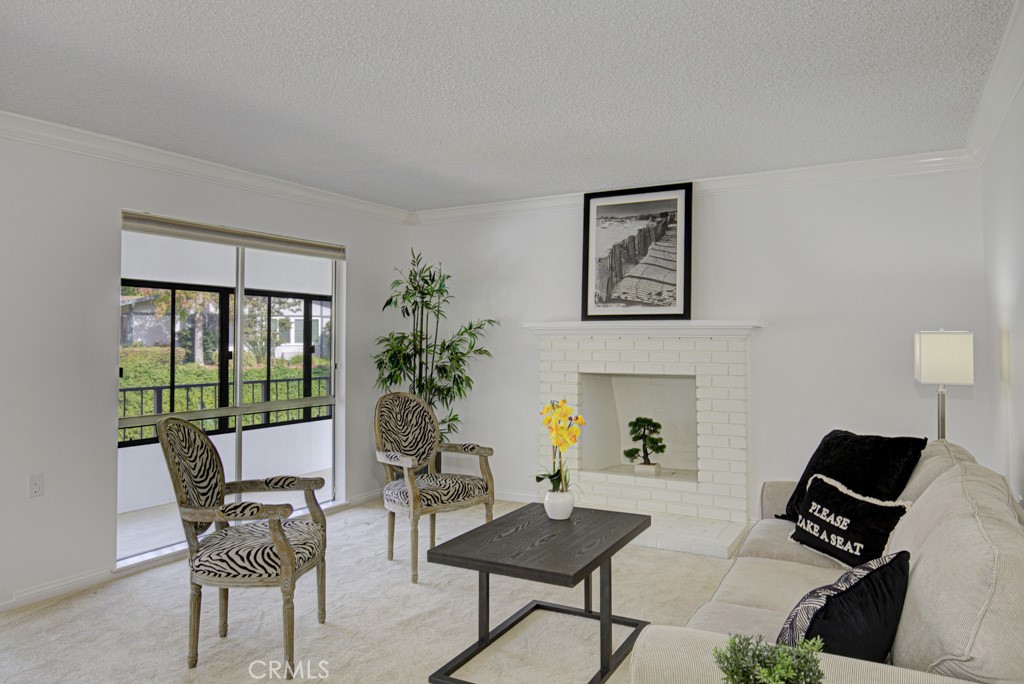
(649, 328)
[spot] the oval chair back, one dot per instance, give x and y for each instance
(194, 465)
(406, 424)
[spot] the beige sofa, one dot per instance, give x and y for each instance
(964, 611)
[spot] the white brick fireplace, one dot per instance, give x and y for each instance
(701, 510)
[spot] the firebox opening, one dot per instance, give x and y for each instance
(611, 401)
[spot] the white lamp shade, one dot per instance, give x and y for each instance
(944, 357)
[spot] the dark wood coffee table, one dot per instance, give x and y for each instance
(526, 544)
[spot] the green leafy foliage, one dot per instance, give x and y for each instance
(197, 316)
(257, 322)
(645, 431)
(432, 367)
(150, 367)
(555, 479)
(746, 660)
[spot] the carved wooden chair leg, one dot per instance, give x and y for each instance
(414, 542)
(223, 612)
(391, 535)
(289, 630)
(489, 511)
(321, 591)
(433, 529)
(195, 602)
(187, 448)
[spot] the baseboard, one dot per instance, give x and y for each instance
(519, 497)
(358, 499)
(57, 588)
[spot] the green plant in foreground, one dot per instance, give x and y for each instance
(746, 660)
(432, 367)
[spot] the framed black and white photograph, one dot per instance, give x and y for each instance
(636, 253)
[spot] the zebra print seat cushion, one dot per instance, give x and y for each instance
(248, 552)
(436, 490)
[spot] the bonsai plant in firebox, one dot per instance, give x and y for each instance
(647, 432)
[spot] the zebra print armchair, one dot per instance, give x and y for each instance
(271, 550)
(407, 439)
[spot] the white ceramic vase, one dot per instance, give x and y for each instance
(558, 505)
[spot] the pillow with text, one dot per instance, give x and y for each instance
(841, 523)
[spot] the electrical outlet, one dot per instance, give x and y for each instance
(35, 485)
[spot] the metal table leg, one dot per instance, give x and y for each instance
(606, 617)
(588, 593)
(609, 659)
(484, 627)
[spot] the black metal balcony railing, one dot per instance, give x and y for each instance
(156, 400)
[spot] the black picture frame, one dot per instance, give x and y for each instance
(629, 272)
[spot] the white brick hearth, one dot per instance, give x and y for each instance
(700, 512)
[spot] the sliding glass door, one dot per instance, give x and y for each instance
(269, 405)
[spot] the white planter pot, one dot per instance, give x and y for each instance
(558, 505)
(653, 470)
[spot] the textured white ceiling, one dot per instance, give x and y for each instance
(429, 104)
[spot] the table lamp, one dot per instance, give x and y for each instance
(944, 357)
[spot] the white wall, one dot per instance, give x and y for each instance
(59, 271)
(1003, 181)
(840, 273)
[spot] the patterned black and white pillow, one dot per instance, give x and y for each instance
(857, 615)
(842, 524)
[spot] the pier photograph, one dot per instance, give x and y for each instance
(635, 264)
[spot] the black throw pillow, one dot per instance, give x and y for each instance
(874, 466)
(856, 616)
(842, 524)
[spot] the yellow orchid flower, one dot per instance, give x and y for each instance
(563, 431)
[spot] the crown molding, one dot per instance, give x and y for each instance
(498, 209)
(1005, 81)
(66, 138)
(61, 137)
(908, 165)
(887, 167)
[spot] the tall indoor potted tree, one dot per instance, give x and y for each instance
(432, 367)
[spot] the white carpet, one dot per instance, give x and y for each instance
(380, 627)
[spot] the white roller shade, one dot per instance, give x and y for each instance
(152, 224)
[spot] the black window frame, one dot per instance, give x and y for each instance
(225, 384)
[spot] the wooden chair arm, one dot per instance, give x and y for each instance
(396, 459)
(470, 449)
(279, 483)
(235, 511)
